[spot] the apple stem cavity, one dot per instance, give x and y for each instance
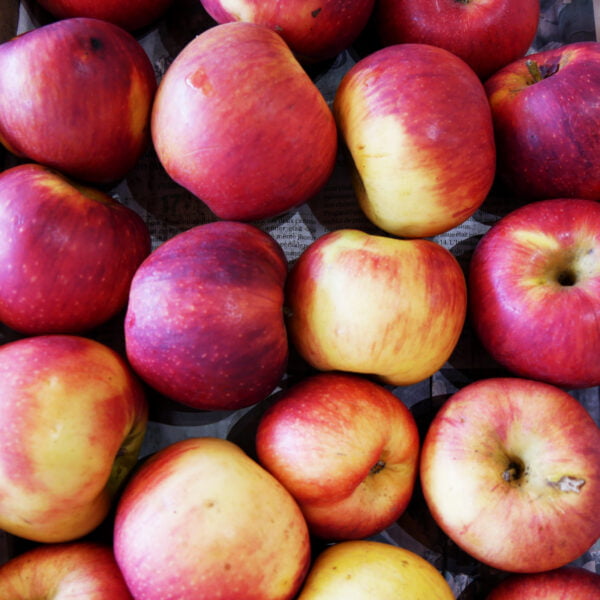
(568, 484)
(514, 471)
(377, 467)
(539, 72)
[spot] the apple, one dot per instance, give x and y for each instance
(510, 471)
(372, 569)
(416, 122)
(377, 305)
(76, 95)
(204, 323)
(314, 32)
(68, 252)
(346, 448)
(72, 421)
(239, 124)
(131, 15)
(546, 117)
(574, 583)
(79, 569)
(486, 34)
(201, 519)
(534, 291)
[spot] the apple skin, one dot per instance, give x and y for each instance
(314, 32)
(68, 252)
(346, 448)
(204, 324)
(546, 116)
(534, 291)
(566, 583)
(72, 420)
(131, 15)
(510, 470)
(376, 305)
(76, 95)
(200, 519)
(417, 124)
(486, 34)
(70, 570)
(372, 569)
(239, 123)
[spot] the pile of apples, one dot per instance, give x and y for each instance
(508, 467)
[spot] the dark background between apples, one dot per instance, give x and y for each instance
(168, 210)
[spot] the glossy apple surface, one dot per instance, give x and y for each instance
(200, 519)
(72, 420)
(313, 32)
(486, 34)
(204, 324)
(75, 95)
(417, 124)
(131, 15)
(546, 116)
(346, 448)
(510, 470)
(566, 583)
(70, 570)
(534, 287)
(371, 569)
(376, 305)
(68, 252)
(239, 123)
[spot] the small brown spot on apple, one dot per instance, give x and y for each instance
(200, 81)
(568, 484)
(315, 12)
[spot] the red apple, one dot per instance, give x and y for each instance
(130, 15)
(534, 287)
(71, 570)
(314, 32)
(239, 123)
(510, 470)
(566, 583)
(372, 569)
(201, 519)
(486, 34)
(417, 124)
(72, 420)
(376, 305)
(68, 252)
(347, 450)
(204, 324)
(76, 95)
(546, 118)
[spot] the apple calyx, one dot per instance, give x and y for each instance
(567, 483)
(514, 471)
(539, 72)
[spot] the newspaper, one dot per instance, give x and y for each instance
(169, 209)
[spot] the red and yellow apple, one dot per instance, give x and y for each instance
(376, 305)
(76, 95)
(417, 124)
(510, 470)
(546, 118)
(566, 583)
(239, 123)
(486, 34)
(201, 519)
(59, 571)
(534, 290)
(72, 421)
(372, 569)
(346, 448)
(131, 15)
(204, 324)
(314, 32)
(68, 252)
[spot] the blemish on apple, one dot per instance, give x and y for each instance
(200, 81)
(567, 483)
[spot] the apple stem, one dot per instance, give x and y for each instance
(539, 72)
(378, 466)
(513, 472)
